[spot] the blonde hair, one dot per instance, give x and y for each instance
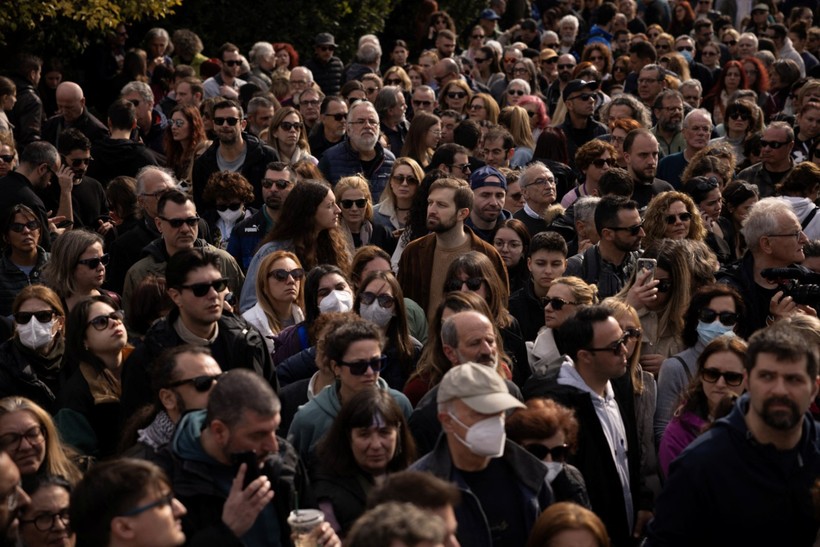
(517, 122)
(355, 182)
(582, 292)
(261, 287)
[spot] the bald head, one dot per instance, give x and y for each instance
(445, 71)
(70, 101)
(469, 336)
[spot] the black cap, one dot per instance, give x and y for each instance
(578, 85)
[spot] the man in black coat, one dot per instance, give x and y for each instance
(73, 114)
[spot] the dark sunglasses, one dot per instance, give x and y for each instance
(200, 383)
(456, 94)
(287, 126)
(20, 226)
(327, 48)
(385, 300)
(232, 121)
(473, 283)
(738, 115)
(600, 162)
(519, 92)
(397, 81)
(712, 375)
(233, 207)
(409, 179)
(477, 37)
(348, 203)
(566, 66)
(582, 96)
(633, 332)
(202, 289)
(556, 303)
(178, 222)
(23, 317)
(664, 285)
(282, 275)
(280, 183)
(233, 63)
(7, 158)
(77, 162)
(727, 318)
(421, 103)
(479, 60)
(730, 43)
(684, 217)
(559, 453)
(339, 117)
(360, 367)
(614, 347)
(633, 230)
(774, 145)
(101, 322)
(94, 263)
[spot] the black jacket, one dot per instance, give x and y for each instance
(27, 115)
(327, 76)
(17, 189)
(118, 157)
(87, 124)
(13, 279)
(23, 373)
(528, 310)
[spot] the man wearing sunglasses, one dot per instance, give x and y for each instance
(775, 159)
(579, 127)
(227, 82)
(72, 113)
(326, 67)
(331, 127)
(423, 100)
(759, 464)
(197, 286)
(609, 453)
(696, 131)
(88, 200)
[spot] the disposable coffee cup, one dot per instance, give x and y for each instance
(302, 522)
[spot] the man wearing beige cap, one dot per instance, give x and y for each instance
(503, 487)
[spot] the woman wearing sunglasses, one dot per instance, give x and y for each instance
(227, 196)
(743, 118)
(721, 377)
(549, 431)
(185, 141)
(76, 269)
(353, 196)
(672, 215)
(483, 107)
(90, 417)
(487, 69)
(288, 137)
(592, 159)
(280, 295)
(455, 95)
(516, 89)
(393, 209)
(23, 259)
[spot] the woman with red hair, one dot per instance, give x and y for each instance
(731, 78)
(757, 78)
(683, 18)
(185, 141)
(537, 111)
(285, 59)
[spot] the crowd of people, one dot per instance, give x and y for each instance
(549, 279)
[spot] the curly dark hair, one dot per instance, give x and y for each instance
(227, 185)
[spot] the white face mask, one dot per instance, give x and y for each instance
(485, 438)
(376, 314)
(231, 216)
(336, 300)
(35, 335)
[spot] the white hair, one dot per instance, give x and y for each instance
(764, 219)
(260, 50)
(569, 19)
(698, 112)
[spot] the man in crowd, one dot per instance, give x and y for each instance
(390, 106)
(118, 155)
(189, 92)
(566, 64)
(779, 34)
(499, 147)
(151, 122)
(331, 128)
(580, 127)
(651, 82)
(538, 188)
(668, 110)
(12, 504)
(452, 159)
(424, 99)
(489, 188)
(326, 67)
(308, 102)
(775, 159)
(72, 115)
(641, 152)
(260, 113)
(696, 131)
(226, 83)
(26, 116)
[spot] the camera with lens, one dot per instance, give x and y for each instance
(801, 284)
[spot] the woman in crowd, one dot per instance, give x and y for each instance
(593, 159)
(422, 138)
(368, 439)
(399, 54)
(353, 195)
(683, 19)
(618, 130)
(30, 361)
(393, 209)
(483, 107)
(288, 137)
(537, 111)
(416, 75)
(731, 78)
(487, 67)
(76, 269)
(549, 432)
(29, 437)
(23, 259)
(517, 122)
(353, 91)
(396, 76)
(285, 59)
(600, 56)
(90, 416)
(512, 241)
(228, 196)
(783, 74)
(800, 189)
(122, 202)
(455, 95)
(757, 79)
(44, 521)
(565, 523)
(185, 141)
(676, 63)
(8, 98)
(742, 119)
(516, 89)
(715, 160)
(710, 57)
(672, 215)
(308, 228)
(705, 193)
(720, 375)
(280, 295)
(664, 43)
(620, 70)
(525, 69)
(738, 197)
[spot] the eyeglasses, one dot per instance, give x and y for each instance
(556, 303)
(519, 92)
(774, 145)
(477, 37)
(45, 522)
(512, 245)
(280, 183)
(33, 435)
(94, 263)
(233, 207)
(101, 322)
(233, 63)
(664, 285)
(202, 289)
(520, 70)
(418, 104)
(349, 203)
(712, 375)
(178, 222)
(473, 283)
(615, 347)
(385, 300)
(200, 383)
(20, 226)
(456, 94)
(7, 158)
(619, 68)
(409, 179)
(730, 43)
(42, 316)
(685, 48)
(568, 66)
(370, 90)
(738, 115)
(309, 102)
(559, 453)
(287, 126)
(633, 230)
(727, 318)
(282, 275)
(165, 500)
(510, 60)
(648, 81)
(600, 162)
(177, 123)
(550, 181)
(371, 123)
(358, 368)
(796, 235)
(232, 121)
(476, 106)
(339, 116)
(77, 162)
(479, 60)
(582, 96)
(397, 81)
(463, 167)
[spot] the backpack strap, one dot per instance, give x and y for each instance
(808, 219)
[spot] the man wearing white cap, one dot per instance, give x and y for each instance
(503, 487)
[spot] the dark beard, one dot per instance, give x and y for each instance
(781, 420)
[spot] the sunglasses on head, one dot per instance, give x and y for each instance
(280, 183)
(178, 222)
(23, 317)
(774, 145)
(456, 94)
(287, 126)
(281, 274)
(358, 368)
(233, 207)
(473, 283)
(558, 453)
(101, 322)
(200, 383)
(94, 263)
(385, 300)
(556, 303)
(709, 184)
(20, 226)
(600, 162)
(684, 217)
(202, 289)
(339, 117)
(231, 120)
(712, 375)
(727, 318)
(7, 158)
(348, 203)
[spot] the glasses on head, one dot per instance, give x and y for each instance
(727, 318)
(78, 162)
(600, 162)
(349, 203)
(371, 123)
(796, 235)
(774, 145)
(200, 383)
(558, 453)
(358, 368)
(633, 230)
(616, 347)
(544, 181)
(339, 116)
(456, 94)
(233, 207)
(34, 436)
(18, 227)
(280, 183)
(94, 263)
(282, 275)
(519, 92)
(288, 126)
(385, 300)
(463, 167)
(683, 217)
(230, 120)
(101, 322)
(582, 96)
(164, 501)
(178, 222)
(45, 522)
(556, 303)
(409, 179)
(233, 63)
(664, 285)
(202, 289)
(712, 375)
(473, 284)
(42, 316)
(7, 158)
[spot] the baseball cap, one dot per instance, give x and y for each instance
(477, 386)
(489, 14)
(578, 85)
(760, 7)
(478, 178)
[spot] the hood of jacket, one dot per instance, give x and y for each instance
(801, 206)
(328, 399)
(186, 442)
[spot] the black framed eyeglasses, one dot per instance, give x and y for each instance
(712, 375)
(796, 235)
(282, 275)
(280, 183)
(178, 222)
(45, 522)
(20, 226)
(559, 453)
(167, 499)
(202, 289)
(556, 303)
(101, 322)
(633, 230)
(615, 347)
(385, 300)
(200, 383)
(233, 207)
(94, 263)
(349, 203)
(473, 283)
(23, 317)
(727, 318)
(358, 368)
